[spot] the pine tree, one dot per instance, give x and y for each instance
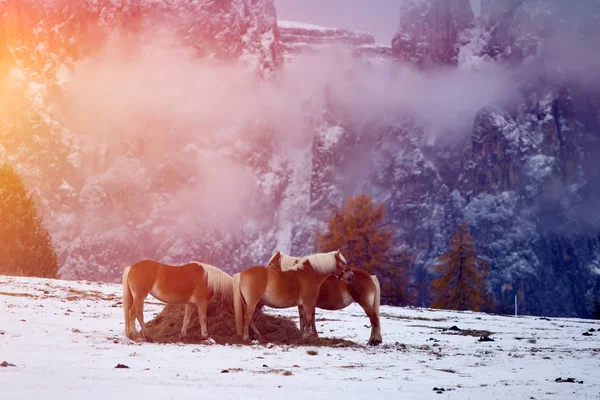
(462, 284)
(25, 246)
(359, 232)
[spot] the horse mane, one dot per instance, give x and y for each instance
(286, 263)
(289, 263)
(218, 280)
(322, 263)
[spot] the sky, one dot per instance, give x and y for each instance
(377, 17)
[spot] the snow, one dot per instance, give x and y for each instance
(471, 56)
(66, 337)
(301, 25)
(329, 136)
(540, 166)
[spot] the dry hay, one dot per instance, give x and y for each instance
(166, 328)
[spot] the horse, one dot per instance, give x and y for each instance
(192, 284)
(297, 283)
(335, 294)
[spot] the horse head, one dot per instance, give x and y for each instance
(342, 265)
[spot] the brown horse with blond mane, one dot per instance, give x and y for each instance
(336, 294)
(296, 283)
(192, 284)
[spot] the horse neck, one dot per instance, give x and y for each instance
(322, 278)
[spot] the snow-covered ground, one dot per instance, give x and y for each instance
(65, 339)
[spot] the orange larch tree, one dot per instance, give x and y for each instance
(462, 284)
(358, 230)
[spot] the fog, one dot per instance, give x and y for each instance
(194, 124)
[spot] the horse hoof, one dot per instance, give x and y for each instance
(374, 342)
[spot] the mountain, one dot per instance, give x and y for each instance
(208, 130)
(108, 157)
(299, 38)
(524, 179)
(429, 30)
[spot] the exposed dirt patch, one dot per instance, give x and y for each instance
(568, 380)
(404, 317)
(454, 330)
(18, 294)
(5, 364)
(166, 327)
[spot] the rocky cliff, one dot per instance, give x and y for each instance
(89, 153)
(429, 31)
(298, 38)
(142, 184)
(524, 181)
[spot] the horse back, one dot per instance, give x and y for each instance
(171, 284)
(183, 280)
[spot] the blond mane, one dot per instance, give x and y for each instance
(322, 263)
(219, 281)
(289, 263)
(286, 263)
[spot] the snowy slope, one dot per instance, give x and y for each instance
(65, 339)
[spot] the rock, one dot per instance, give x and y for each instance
(568, 380)
(429, 30)
(5, 364)
(121, 366)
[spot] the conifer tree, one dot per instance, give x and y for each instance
(359, 232)
(25, 246)
(462, 283)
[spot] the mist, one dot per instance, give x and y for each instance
(195, 125)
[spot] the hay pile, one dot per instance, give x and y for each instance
(166, 327)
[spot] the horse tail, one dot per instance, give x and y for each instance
(127, 298)
(220, 282)
(238, 305)
(377, 299)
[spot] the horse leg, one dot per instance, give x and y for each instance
(137, 307)
(375, 338)
(202, 309)
(309, 313)
(249, 313)
(314, 323)
(187, 316)
(301, 318)
(255, 330)
(140, 317)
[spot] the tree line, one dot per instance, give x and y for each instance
(358, 229)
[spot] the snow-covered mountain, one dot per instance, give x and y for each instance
(174, 131)
(297, 38)
(523, 178)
